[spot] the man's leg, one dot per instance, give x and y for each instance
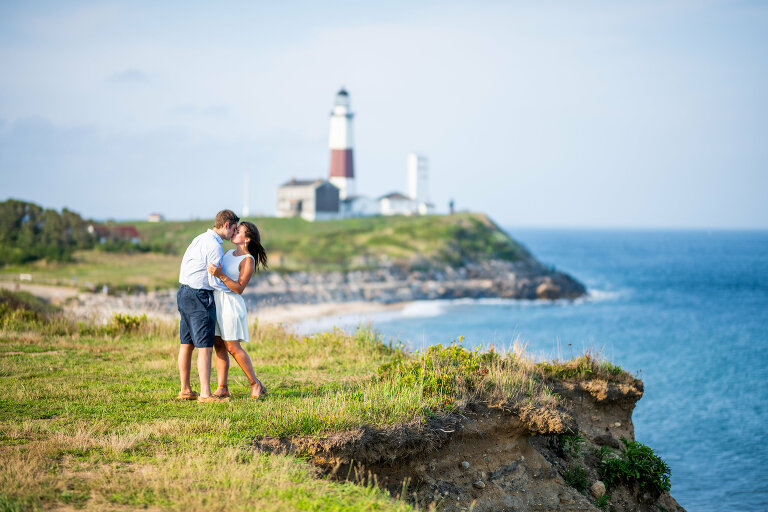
(202, 321)
(185, 364)
(185, 349)
(204, 369)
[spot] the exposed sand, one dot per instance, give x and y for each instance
(291, 313)
(53, 294)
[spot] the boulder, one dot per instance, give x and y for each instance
(548, 290)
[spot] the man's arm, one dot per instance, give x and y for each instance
(246, 269)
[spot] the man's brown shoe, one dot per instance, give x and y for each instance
(188, 396)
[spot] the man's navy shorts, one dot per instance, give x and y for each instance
(198, 316)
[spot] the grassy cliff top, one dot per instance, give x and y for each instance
(295, 244)
(89, 418)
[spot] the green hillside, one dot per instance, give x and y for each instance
(295, 244)
(292, 244)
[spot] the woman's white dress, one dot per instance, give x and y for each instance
(231, 314)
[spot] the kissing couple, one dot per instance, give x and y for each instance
(212, 310)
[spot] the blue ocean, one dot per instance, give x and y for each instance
(686, 311)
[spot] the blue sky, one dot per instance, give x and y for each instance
(605, 114)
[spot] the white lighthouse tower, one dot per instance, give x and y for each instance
(342, 172)
(417, 178)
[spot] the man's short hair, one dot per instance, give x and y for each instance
(225, 216)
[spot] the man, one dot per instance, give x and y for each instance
(196, 306)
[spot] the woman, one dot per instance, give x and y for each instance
(237, 267)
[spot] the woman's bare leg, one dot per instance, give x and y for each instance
(241, 356)
(222, 367)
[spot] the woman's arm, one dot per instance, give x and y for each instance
(246, 271)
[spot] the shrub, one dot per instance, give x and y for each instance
(636, 463)
(19, 309)
(10, 503)
(576, 477)
(440, 370)
(29, 232)
(124, 323)
(602, 502)
(454, 376)
(571, 445)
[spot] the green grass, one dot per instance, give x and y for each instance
(89, 420)
(296, 244)
(586, 366)
(119, 271)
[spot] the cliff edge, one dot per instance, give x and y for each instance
(513, 456)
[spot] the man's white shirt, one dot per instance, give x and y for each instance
(205, 248)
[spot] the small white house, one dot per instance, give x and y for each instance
(396, 203)
(426, 208)
(359, 206)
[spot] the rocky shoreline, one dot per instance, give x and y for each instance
(386, 285)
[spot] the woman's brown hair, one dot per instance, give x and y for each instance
(254, 245)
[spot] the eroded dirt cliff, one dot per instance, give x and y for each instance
(508, 457)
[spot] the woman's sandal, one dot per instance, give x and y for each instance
(225, 394)
(262, 392)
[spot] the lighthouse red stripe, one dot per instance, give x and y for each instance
(341, 163)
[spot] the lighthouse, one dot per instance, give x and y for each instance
(342, 173)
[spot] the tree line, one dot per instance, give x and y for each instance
(30, 232)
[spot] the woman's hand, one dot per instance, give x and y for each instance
(214, 270)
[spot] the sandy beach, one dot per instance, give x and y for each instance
(52, 294)
(291, 313)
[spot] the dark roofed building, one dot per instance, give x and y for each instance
(293, 182)
(394, 196)
(113, 233)
(309, 199)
